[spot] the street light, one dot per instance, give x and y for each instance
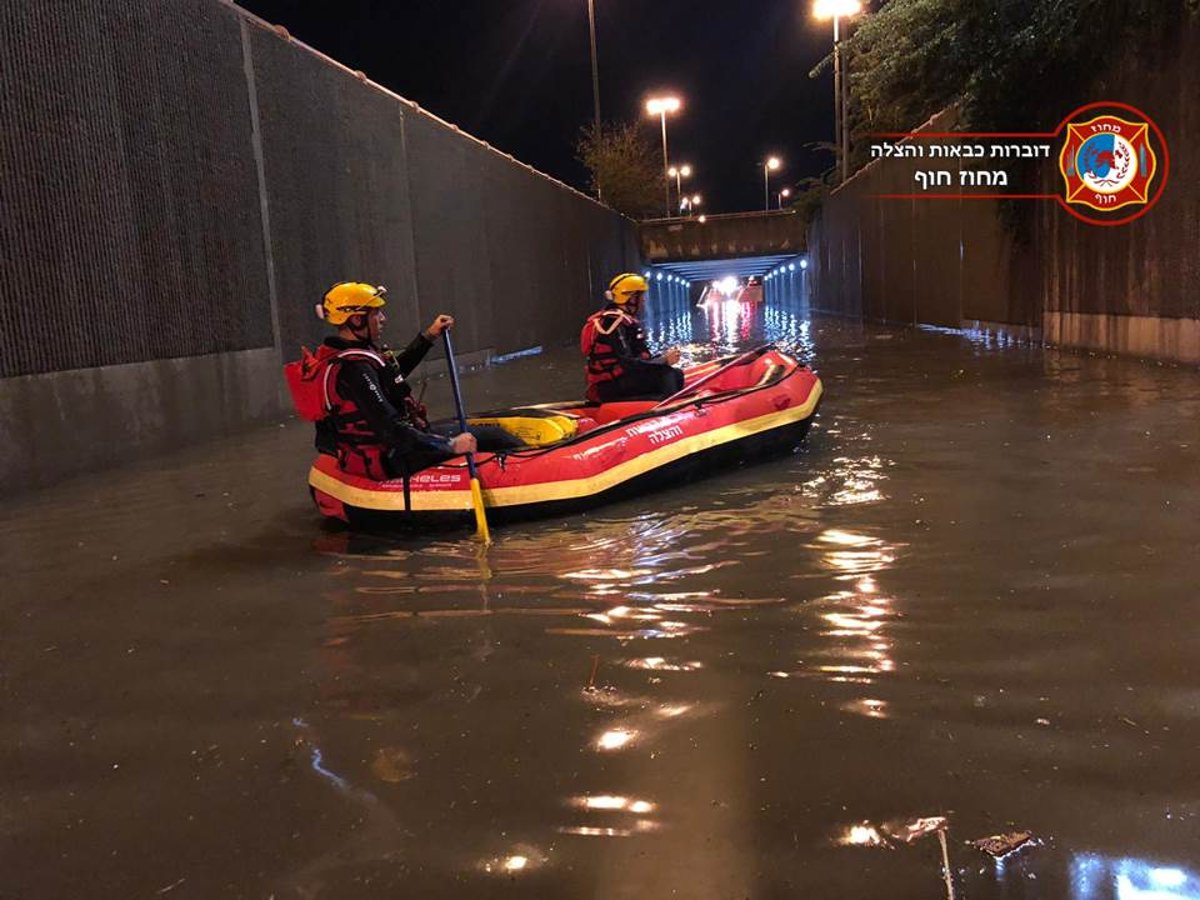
(786, 192)
(660, 106)
(689, 203)
(769, 166)
(838, 10)
(679, 173)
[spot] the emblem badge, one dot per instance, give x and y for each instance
(1109, 163)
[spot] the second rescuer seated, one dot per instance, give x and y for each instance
(619, 364)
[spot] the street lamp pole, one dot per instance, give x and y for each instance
(679, 173)
(837, 10)
(660, 106)
(768, 167)
(839, 122)
(667, 186)
(595, 66)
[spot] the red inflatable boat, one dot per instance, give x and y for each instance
(730, 410)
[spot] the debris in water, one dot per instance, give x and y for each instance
(918, 828)
(591, 685)
(999, 845)
(890, 834)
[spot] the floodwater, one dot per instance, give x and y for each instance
(972, 594)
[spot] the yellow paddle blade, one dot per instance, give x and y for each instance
(535, 431)
(481, 523)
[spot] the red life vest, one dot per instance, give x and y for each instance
(598, 342)
(312, 380)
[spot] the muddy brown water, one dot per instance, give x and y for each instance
(971, 594)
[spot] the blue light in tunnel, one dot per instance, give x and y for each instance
(660, 276)
(791, 267)
(804, 263)
(1094, 876)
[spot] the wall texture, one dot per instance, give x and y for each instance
(723, 236)
(1127, 289)
(180, 182)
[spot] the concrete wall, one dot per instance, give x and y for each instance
(1126, 289)
(181, 182)
(724, 236)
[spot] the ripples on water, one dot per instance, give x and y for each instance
(665, 618)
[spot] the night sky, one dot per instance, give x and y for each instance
(517, 73)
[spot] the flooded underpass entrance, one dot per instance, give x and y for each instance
(968, 596)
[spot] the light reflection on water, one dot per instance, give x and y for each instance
(1095, 877)
(782, 580)
(669, 575)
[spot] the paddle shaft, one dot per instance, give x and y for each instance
(458, 404)
(481, 524)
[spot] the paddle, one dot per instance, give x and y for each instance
(748, 357)
(481, 524)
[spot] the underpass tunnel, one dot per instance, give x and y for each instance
(777, 278)
(721, 301)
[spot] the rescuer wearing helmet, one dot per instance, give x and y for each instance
(619, 364)
(356, 390)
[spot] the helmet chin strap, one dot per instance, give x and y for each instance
(363, 331)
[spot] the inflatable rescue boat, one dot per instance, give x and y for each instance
(729, 411)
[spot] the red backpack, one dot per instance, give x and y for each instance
(306, 382)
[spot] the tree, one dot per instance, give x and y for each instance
(624, 167)
(1012, 65)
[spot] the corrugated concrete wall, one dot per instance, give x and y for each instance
(181, 182)
(1126, 289)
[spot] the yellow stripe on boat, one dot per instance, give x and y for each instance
(572, 489)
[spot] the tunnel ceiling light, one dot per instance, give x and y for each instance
(804, 263)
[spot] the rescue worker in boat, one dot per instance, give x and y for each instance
(619, 364)
(366, 413)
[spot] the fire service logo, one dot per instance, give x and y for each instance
(1110, 163)
(1111, 157)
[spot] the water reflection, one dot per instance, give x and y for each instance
(1096, 877)
(850, 481)
(728, 323)
(674, 328)
(790, 332)
(520, 860)
(769, 592)
(452, 687)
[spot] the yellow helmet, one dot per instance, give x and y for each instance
(350, 298)
(624, 286)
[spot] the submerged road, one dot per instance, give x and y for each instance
(971, 595)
